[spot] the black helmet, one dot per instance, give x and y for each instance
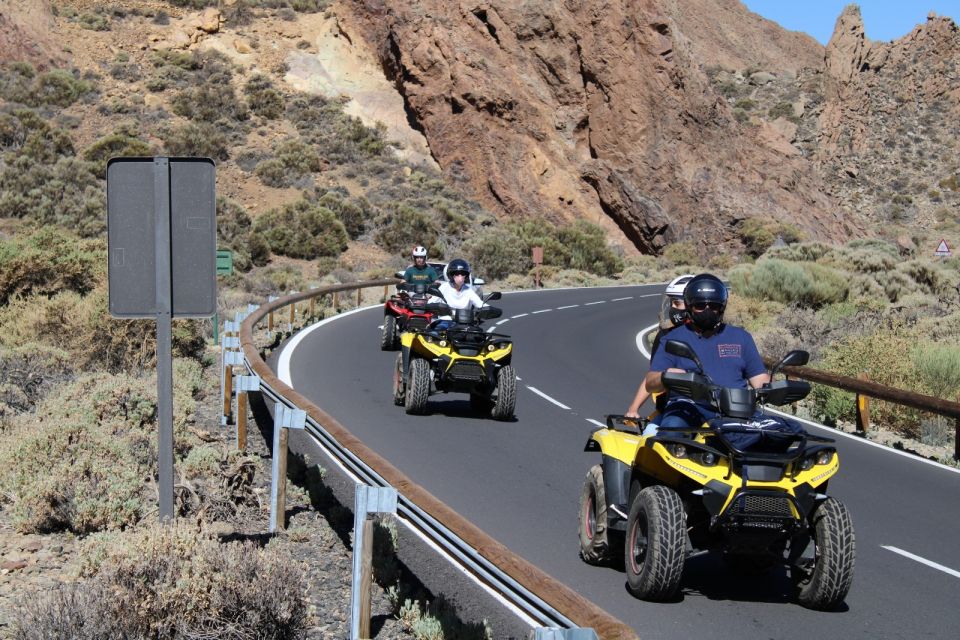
(458, 265)
(707, 292)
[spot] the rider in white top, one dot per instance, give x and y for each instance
(457, 293)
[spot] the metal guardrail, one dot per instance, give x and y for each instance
(864, 388)
(541, 597)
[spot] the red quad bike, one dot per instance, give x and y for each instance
(404, 311)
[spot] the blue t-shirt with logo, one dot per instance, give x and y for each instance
(729, 356)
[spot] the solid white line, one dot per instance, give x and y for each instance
(599, 424)
(641, 345)
(519, 315)
(929, 563)
(619, 299)
(283, 364)
(597, 302)
(542, 311)
(569, 306)
(548, 398)
(502, 321)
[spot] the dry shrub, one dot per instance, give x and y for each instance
(47, 261)
(79, 463)
(173, 582)
(29, 372)
(82, 326)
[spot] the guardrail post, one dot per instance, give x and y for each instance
(367, 501)
(228, 349)
(270, 314)
(386, 292)
(956, 440)
(863, 408)
(284, 419)
(336, 305)
(243, 385)
(553, 633)
(359, 291)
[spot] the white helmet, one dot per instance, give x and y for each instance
(671, 315)
(421, 252)
(678, 284)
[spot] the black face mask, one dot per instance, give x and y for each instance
(677, 316)
(706, 320)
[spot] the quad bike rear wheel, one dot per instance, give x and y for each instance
(418, 386)
(655, 543)
(388, 337)
(823, 577)
(506, 401)
(399, 385)
(595, 543)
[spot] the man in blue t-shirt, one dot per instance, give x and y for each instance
(728, 354)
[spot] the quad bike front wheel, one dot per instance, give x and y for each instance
(595, 547)
(655, 544)
(399, 385)
(823, 571)
(506, 401)
(388, 337)
(418, 386)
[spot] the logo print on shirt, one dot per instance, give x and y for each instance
(728, 350)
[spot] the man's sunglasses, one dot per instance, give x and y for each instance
(703, 306)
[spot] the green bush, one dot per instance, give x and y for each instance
(196, 139)
(210, 101)
(118, 144)
(680, 253)
(66, 193)
(170, 581)
(263, 98)
(402, 227)
(496, 253)
(587, 248)
(302, 230)
(354, 213)
(20, 83)
(294, 160)
(803, 283)
(259, 249)
(938, 367)
(338, 137)
(47, 261)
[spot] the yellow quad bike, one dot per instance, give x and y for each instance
(740, 485)
(457, 357)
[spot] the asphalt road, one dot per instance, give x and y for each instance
(577, 359)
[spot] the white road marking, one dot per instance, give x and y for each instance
(519, 315)
(569, 306)
(597, 302)
(929, 563)
(542, 311)
(641, 345)
(650, 295)
(283, 364)
(619, 299)
(599, 424)
(548, 398)
(502, 321)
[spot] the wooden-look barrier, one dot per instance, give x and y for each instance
(572, 605)
(865, 389)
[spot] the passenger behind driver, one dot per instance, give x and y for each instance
(457, 293)
(672, 315)
(728, 353)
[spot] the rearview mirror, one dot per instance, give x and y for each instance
(795, 358)
(398, 274)
(679, 348)
(496, 295)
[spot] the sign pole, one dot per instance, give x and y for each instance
(161, 192)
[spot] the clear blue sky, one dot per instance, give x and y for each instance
(882, 19)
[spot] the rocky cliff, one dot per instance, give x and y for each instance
(25, 27)
(573, 109)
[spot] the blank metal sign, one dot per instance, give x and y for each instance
(136, 189)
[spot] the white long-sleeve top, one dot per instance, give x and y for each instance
(462, 299)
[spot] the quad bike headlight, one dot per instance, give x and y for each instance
(491, 347)
(677, 450)
(443, 343)
(819, 458)
(824, 457)
(708, 459)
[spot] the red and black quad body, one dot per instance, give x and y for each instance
(404, 311)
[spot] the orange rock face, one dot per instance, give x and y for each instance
(599, 111)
